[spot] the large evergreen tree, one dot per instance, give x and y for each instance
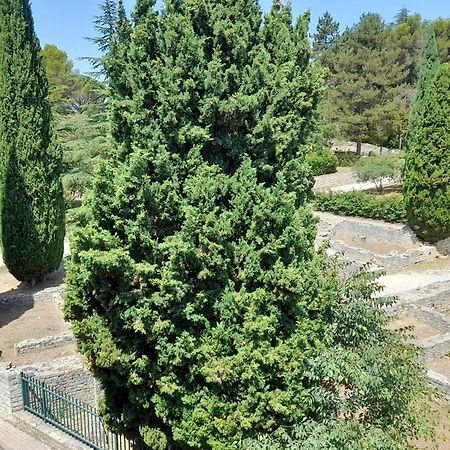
(194, 288)
(427, 180)
(366, 83)
(31, 196)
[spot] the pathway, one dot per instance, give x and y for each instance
(11, 438)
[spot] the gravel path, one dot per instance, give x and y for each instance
(345, 181)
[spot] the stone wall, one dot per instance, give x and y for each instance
(10, 394)
(66, 374)
(443, 246)
(49, 294)
(28, 346)
(366, 149)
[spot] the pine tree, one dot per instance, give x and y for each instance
(326, 32)
(402, 16)
(427, 180)
(31, 196)
(363, 99)
(105, 24)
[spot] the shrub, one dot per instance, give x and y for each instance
(346, 159)
(380, 168)
(322, 161)
(382, 207)
(190, 270)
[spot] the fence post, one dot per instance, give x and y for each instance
(23, 384)
(116, 441)
(43, 400)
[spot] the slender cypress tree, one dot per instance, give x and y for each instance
(427, 72)
(427, 182)
(31, 195)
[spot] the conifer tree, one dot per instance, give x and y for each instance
(194, 288)
(427, 180)
(326, 32)
(363, 99)
(31, 196)
(427, 72)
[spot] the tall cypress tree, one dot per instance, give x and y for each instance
(427, 72)
(196, 251)
(31, 195)
(427, 181)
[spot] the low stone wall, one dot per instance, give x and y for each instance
(10, 393)
(440, 382)
(434, 347)
(28, 346)
(66, 374)
(50, 294)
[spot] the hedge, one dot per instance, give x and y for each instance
(389, 208)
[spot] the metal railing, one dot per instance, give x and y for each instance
(75, 418)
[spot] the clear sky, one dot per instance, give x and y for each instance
(67, 22)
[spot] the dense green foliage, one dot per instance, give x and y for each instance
(380, 168)
(31, 194)
(367, 382)
(390, 207)
(364, 100)
(346, 159)
(194, 282)
(194, 288)
(427, 72)
(84, 143)
(322, 161)
(427, 178)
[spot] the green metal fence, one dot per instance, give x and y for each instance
(72, 416)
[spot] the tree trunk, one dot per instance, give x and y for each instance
(358, 148)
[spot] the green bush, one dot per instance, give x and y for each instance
(346, 159)
(322, 161)
(383, 207)
(380, 168)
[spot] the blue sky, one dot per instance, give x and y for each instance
(67, 22)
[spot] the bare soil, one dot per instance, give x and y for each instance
(9, 285)
(440, 365)
(420, 330)
(30, 320)
(441, 413)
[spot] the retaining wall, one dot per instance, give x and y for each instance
(67, 374)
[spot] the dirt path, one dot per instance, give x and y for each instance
(23, 318)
